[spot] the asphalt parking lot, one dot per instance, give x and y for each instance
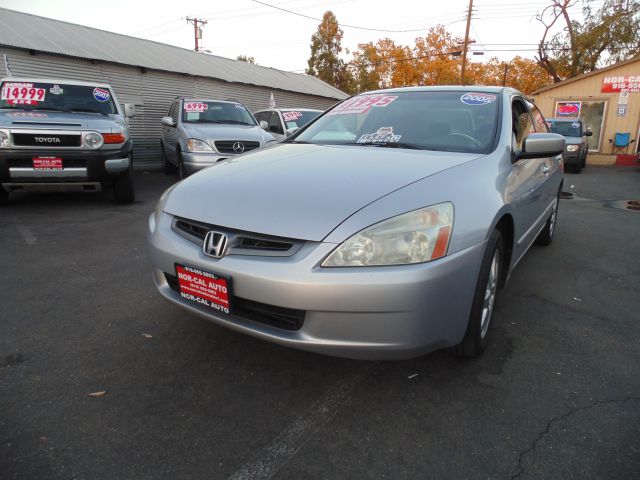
(556, 395)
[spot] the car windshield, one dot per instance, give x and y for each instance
(298, 118)
(199, 111)
(64, 97)
(568, 129)
(443, 120)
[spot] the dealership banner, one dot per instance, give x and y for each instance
(630, 83)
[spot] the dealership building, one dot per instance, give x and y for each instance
(608, 101)
(148, 74)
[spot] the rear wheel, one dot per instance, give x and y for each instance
(123, 187)
(167, 167)
(584, 159)
(475, 339)
(545, 237)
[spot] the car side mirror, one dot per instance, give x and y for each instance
(540, 145)
(129, 110)
(588, 133)
(168, 121)
(264, 125)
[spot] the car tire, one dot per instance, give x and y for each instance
(4, 197)
(545, 237)
(167, 167)
(123, 187)
(476, 337)
(584, 160)
(182, 174)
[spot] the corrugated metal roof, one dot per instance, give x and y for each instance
(23, 30)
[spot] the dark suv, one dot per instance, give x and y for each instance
(576, 146)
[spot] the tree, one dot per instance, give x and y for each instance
(324, 61)
(382, 65)
(436, 55)
(245, 58)
(523, 74)
(606, 36)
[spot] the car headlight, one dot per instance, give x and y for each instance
(159, 208)
(4, 138)
(195, 145)
(572, 148)
(414, 237)
(93, 140)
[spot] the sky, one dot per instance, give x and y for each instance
(281, 40)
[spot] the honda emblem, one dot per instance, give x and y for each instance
(215, 244)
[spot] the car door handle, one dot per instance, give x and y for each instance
(545, 169)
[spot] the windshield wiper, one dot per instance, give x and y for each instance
(87, 110)
(53, 109)
(235, 122)
(411, 146)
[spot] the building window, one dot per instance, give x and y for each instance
(592, 115)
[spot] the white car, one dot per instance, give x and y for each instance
(282, 122)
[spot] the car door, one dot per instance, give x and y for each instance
(275, 127)
(527, 194)
(170, 133)
(551, 166)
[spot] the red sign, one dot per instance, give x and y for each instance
(198, 107)
(22, 94)
(630, 83)
(203, 288)
(362, 104)
(568, 109)
(47, 163)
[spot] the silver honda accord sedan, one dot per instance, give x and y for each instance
(381, 230)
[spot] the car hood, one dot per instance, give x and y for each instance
(572, 140)
(301, 191)
(212, 132)
(61, 120)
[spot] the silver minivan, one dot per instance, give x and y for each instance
(197, 133)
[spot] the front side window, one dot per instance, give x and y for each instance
(199, 111)
(30, 96)
(453, 121)
(275, 125)
(521, 123)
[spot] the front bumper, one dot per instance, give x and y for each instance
(362, 312)
(571, 158)
(194, 162)
(80, 166)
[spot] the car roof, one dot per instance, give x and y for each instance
(191, 99)
(54, 80)
(290, 110)
(448, 88)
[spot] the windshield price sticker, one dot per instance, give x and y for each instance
(291, 116)
(101, 95)
(22, 94)
(362, 104)
(472, 98)
(383, 135)
(47, 163)
(204, 288)
(195, 107)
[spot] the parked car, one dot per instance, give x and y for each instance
(382, 230)
(63, 135)
(282, 122)
(197, 133)
(576, 148)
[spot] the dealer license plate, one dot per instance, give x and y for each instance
(204, 288)
(47, 163)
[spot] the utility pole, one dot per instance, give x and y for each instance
(466, 43)
(504, 78)
(197, 31)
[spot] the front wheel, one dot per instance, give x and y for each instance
(4, 197)
(167, 167)
(475, 339)
(182, 174)
(123, 186)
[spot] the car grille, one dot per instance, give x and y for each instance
(278, 317)
(226, 146)
(240, 242)
(46, 140)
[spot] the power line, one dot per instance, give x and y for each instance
(342, 24)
